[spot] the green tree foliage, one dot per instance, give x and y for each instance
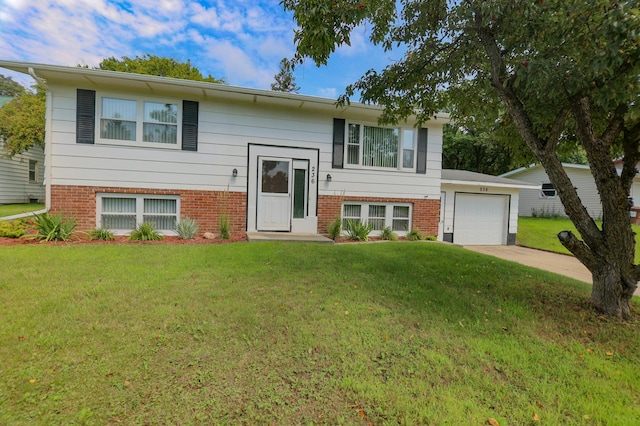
(156, 65)
(9, 87)
(285, 81)
(22, 122)
(476, 151)
(545, 71)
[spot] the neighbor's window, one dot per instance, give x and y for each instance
(124, 212)
(379, 216)
(33, 171)
(547, 191)
(132, 120)
(372, 146)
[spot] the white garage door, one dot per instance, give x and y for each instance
(480, 219)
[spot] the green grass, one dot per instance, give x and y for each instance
(276, 333)
(541, 233)
(11, 209)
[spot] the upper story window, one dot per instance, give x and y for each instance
(135, 120)
(547, 190)
(380, 147)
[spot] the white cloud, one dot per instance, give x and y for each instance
(328, 92)
(239, 68)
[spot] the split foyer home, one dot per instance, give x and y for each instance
(122, 149)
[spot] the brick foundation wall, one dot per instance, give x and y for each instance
(426, 213)
(207, 206)
(203, 206)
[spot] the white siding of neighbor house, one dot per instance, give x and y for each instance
(530, 200)
(225, 131)
(14, 177)
(450, 191)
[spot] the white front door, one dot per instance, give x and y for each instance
(274, 194)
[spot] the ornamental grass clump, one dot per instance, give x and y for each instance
(53, 227)
(334, 228)
(358, 231)
(225, 227)
(388, 234)
(101, 234)
(415, 235)
(145, 232)
(187, 228)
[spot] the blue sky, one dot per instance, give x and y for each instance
(240, 40)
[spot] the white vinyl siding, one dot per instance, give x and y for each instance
(123, 213)
(225, 130)
(22, 177)
(531, 203)
(379, 216)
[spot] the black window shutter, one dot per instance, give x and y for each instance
(338, 142)
(85, 116)
(421, 166)
(189, 126)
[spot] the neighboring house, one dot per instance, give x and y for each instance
(545, 201)
(21, 177)
(126, 148)
(634, 193)
(480, 209)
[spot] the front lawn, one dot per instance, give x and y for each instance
(542, 233)
(277, 333)
(11, 209)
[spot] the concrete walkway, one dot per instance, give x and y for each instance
(553, 262)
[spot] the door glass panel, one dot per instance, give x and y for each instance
(275, 177)
(299, 198)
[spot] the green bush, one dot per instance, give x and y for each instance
(334, 228)
(145, 232)
(12, 228)
(358, 231)
(415, 235)
(187, 228)
(388, 234)
(101, 234)
(431, 238)
(54, 227)
(225, 227)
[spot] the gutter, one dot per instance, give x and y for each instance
(23, 215)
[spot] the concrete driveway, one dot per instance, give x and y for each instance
(553, 262)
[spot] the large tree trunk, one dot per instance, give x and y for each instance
(612, 290)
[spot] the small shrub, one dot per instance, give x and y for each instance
(334, 228)
(187, 228)
(431, 238)
(145, 232)
(388, 234)
(415, 235)
(101, 234)
(225, 227)
(53, 227)
(358, 231)
(12, 228)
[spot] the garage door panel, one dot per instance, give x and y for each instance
(480, 219)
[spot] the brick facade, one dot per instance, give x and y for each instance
(207, 206)
(203, 206)
(426, 213)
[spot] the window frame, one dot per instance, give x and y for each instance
(140, 121)
(400, 148)
(388, 218)
(139, 212)
(34, 171)
(542, 193)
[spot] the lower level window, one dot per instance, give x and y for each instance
(379, 216)
(124, 212)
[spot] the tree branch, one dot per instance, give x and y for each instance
(579, 249)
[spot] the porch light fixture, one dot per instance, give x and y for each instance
(328, 177)
(235, 172)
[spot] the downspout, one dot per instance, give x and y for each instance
(47, 142)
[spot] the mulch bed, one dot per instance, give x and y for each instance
(79, 239)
